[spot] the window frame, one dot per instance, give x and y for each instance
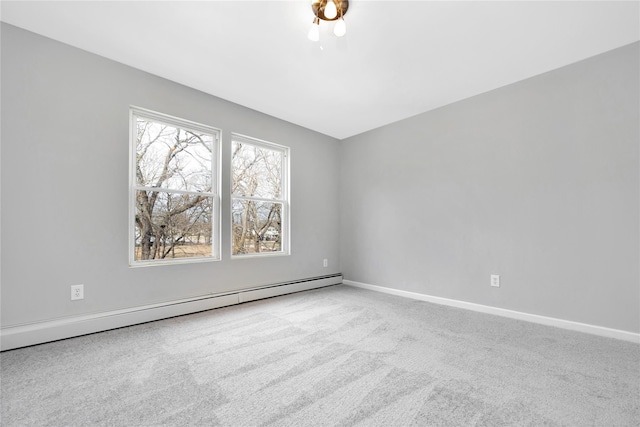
(285, 196)
(215, 193)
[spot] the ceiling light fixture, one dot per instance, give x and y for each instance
(328, 10)
(314, 31)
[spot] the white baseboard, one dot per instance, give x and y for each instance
(40, 332)
(277, 290)
(534, 318)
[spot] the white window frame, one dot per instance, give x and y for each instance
(216, 168)
(285, 240)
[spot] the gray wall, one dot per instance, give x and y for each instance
(65, 146)
(537, 181)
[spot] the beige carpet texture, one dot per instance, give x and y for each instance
(337, 356)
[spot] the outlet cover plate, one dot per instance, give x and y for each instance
(77, 292)
(495, 280)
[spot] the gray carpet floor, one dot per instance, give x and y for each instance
(337, 356)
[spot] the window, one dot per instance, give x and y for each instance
(260, 197)
(175, 201)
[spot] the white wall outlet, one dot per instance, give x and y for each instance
(495, 280)
(325, 263)
(77, 292)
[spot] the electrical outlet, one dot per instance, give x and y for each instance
(77, 292)
(495, 280)
(325, 263)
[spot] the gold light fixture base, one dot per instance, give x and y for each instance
(319, 5)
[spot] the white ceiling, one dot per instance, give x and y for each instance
(398, 59)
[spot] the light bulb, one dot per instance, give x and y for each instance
(314, 31)
(330, 10)
(340, 29)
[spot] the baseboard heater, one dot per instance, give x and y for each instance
(40, 332)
